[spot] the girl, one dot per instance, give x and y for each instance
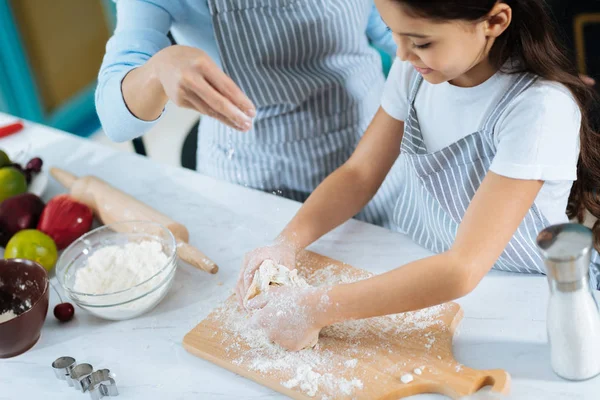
(489, 118)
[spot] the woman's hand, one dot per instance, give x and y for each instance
(191, 79)
(280, 252)
(291, 317)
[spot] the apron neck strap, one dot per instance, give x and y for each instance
(522, 82)
(414, 87)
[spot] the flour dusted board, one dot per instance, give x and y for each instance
(365, 359)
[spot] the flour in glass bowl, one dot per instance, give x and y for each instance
(114, 269)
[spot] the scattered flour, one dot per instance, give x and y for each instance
(430, 341)
(7, 316)
(307, 379)
(407, 378)
(309, 382)
(316, 371)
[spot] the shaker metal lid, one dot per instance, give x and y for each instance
(566, 249)
(565, 242)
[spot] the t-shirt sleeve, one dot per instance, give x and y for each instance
(395, 93)
(538, 135)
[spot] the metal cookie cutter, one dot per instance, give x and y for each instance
(62, 368)
(80, 377)
(102, 384)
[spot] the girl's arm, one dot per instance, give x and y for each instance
(345, 192)
(495, 213)
(338, 198)
(493, 216)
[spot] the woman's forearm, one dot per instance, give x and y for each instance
(417, 285)
(143, 92)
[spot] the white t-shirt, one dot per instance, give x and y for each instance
(537, 136)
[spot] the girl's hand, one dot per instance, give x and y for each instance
(281, 253)
(291, 317)
(191, 79)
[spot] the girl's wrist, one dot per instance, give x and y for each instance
(319, 301)
(325, 302)
(348, 301)
(288, 242)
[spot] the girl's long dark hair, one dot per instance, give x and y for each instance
(532, 41)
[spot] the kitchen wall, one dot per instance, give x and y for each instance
(51, 54)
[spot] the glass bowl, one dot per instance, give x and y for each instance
(135, 300)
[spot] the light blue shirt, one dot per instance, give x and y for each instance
(142, 27)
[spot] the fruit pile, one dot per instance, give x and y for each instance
(31, 229)
(36, 231)
(14, 178)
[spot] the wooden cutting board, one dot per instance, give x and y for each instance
(364, 359)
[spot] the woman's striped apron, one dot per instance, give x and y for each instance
(308, 67)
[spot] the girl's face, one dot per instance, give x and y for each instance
(454, 51)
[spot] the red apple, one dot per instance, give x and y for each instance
(17, 213)
(65, 220)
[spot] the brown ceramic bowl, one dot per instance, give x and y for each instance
(24, 291)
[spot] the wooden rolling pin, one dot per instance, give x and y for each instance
(112, 205)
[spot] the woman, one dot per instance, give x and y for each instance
(288, 86)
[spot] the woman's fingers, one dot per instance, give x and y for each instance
(227, 87)
(220, 104)
(190, 77)
(196, 103)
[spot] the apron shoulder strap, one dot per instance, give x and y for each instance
(417, 79)
(522, 82)
(595, 270)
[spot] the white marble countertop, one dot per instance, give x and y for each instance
(504, 324)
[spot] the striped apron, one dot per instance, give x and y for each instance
(437, 188)
(315, 81)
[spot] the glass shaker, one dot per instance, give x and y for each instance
(573, 320)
